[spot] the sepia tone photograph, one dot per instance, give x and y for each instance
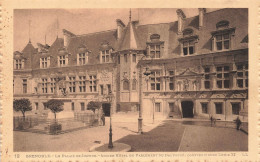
(130, 80)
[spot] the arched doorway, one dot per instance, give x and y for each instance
(187, 109)
(106, 108)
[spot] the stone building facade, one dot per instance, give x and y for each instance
(194, 67)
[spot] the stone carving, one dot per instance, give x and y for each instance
(104, 75)
(186, 85)
(61, 90)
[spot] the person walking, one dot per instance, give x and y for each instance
(238, 123)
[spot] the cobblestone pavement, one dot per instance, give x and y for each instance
(168, 135)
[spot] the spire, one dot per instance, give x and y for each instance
(130, 15)
(57, 27)
(29, 23)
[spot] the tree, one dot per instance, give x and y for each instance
(93, 105)
(55, 106)
(22, 105)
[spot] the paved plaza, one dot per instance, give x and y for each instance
(162, 136)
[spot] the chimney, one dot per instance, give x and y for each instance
(120, 26)
(202, 11)
(181, 16)
(67, 35)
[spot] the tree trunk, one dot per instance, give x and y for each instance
(23, 115)
(55, 116)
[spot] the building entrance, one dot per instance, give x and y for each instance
(106, 108)
(187, 109)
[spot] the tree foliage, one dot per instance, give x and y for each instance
(55, 106)
(93, 105)
(22, 105)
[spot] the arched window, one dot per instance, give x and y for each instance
(134, 83)
(126, 85)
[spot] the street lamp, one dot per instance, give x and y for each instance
(109, 98)
(140, 119)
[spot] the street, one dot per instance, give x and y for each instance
(164, 136)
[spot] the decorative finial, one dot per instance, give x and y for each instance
(29, 23)
(130, 15)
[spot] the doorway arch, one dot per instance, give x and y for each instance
(187, 109)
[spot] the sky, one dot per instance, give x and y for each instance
(37, 24)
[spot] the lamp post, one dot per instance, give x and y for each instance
(140, 119)
(109, 99)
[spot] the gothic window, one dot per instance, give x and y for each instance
(126, 85)
(62, 60)
(105, 55)
(222, 36)
(44, 85)
(18, 64)
(242, 76)
(44, 62)
(188, 47)
(155, 51)
(207, 78)
(93, 83)
(223, 79)
(82, 58)
(223, 41)
(82, 83)
(53, 85)
(72, 84)
(171, 80)
(155, 81)
(24, 86)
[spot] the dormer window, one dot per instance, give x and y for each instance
(155, 46)
(105, 52)
(44, 62)
(155, 51)
(18, 64)
(188, 42)
(105, 55)
(188, 47)
(82, 59)
(62, 60)
(222, 37)
(223, 41)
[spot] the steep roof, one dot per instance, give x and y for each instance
(93, 43)
(130, 39)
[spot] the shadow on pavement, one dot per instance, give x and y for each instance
(163, 138)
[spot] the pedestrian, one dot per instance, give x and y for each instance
(238, 123)
(103, 119)
(212, 121)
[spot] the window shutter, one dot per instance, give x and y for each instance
(48, 61)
